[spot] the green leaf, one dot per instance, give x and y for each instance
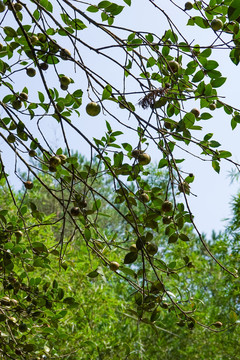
(216, 166)
(218, 82)
(107, 92)
(203, 23)
(92, 9)
(130, 258)
(128, 2)
(198, 76)
(234, 10)
(9, 31)
(224, 154)
(184, 237)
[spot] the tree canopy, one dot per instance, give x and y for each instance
(107, 244)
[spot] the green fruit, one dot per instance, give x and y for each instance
(42, 37)
(184, 187)
(18, 234)
(31, 72)
(135, 153)
(212, 106)
(114, 266)
(144, 159)
(17, 104)
(216, 24)
(144, 197)
(28, 185)
(34, 39)
(218, 324)
(188, 5)
(54, 161)
(173, 66)
(2, 7)
(63, 158)
(17, 6)
(32, 153)
(152, 249)
(167, 206)
(23, 96)
(65, 54)
(93, 109)
(166, 220)
(75, 211)
(11, 138)
(195, 112)
(43, 66)
(64, 80)
(64, 87)
(133, 248)
(1, 46)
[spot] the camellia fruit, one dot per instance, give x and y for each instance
(144, 197)
(93, 109)
(135, 153)
(32, 153)
(65, 54)
(166, 220)
(133, 248)
(11, 138)
(212, 106)
(188, 5)
(17, 104)
(31, 72)
(28, 185)
(64, 80)
(216, 24)
(62, 158)
(17, 6)
(114, 266)
(218, 324)
(173, 66)
(195, 112)
(54, 161)
(144, 159)
(43, 66)
(167, 206)
(75, 211)
(23, 96)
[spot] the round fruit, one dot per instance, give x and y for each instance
(216, 24)
(65, 54)
(144, 159)
(188, 5)
(28, 185)
(17, 104)
(144, 197)
(43, 66)
(93, 109)
(166, 220)
(64, 80)
(212, 106)
(31, 72)
(2, 7)
(42, 37)
(114, 266)
(63, 158)
(64, 87)
(32, 153)
(52, 168)
(75, 211)
(173, 66)
(34, 39)
(23, 96)
(184, 187)
(133, 248)
(55, 161)
(217, 324)
(152, 249)
(82, 203)
(18, 234)
(1, 46)
(11, 138)
(17, 6)
(195, 112)
(135, 153)
(167, 206)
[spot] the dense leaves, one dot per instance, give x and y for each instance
(77, 224)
